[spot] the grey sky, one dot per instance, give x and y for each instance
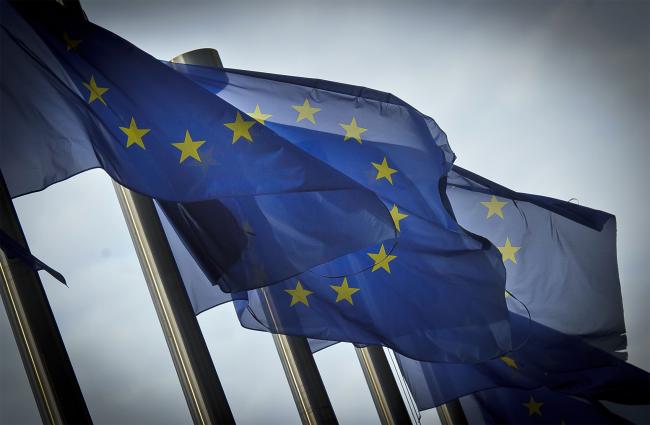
(546, 97)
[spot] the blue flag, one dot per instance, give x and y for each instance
(408, 296)
(560, 257)
(202, 293)
(342, 181)
(548, 358)
(435, 291)
(540, 406)
(152, 129)
(561, 268)
(76, 96)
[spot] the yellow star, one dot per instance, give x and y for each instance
(509, 361)
(258, 115)
(384, 171)
(134, 134)
(353, 131)
(240, 128)
(95, 91)
(494, 206)
(381, 259)
(397, 216)
(189, 147)
(305, 111)
(344, 292)
(534, 407)
(70, 44)
(299, 295)
(508, 251)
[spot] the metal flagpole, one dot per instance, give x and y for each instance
(383, 387)
(50, 372)
(306, 384)
(299, 365)
(385, 392)
(300, 368)
(203, 391)
(451, 413)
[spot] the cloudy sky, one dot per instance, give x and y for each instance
(545, 97)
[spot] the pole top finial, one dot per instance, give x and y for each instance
(205, 57)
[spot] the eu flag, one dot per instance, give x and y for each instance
(561, 268)
(202, 293)
(539, 406)
(560, 257)
(334, 190)
(75, 96)
(435, 291)
(543, 357)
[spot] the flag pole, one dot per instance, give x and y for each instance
(199, 380)
(307, 388)
(383, 387)
(451, 413)
(302, 373)
(385, 392)
(306, 384)
(50, 372)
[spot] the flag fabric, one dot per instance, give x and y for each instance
(75, 96)
(560, 257)
(561, 269)
(427, 306)
(151, 129)
(435, 291)
(546, 358)
(540, 406)
(217, 233)
(334, 190)
(202, 293)
(15, 250)
(373, 137)
(566, 271)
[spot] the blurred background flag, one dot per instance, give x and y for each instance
(540, 406)
(548, 358)
(72, 101)
(561, 267)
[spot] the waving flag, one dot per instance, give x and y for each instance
(560, 257)
(540, 406)
(336, 191)
(561, 268)
(75, 96)
(435, 291)
(543, 358)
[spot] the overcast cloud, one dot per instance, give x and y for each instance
(551, 98)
